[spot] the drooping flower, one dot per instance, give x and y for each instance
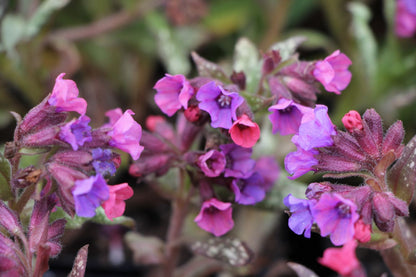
(286, 116)
(173, 93)
(125, 135)
(249, 191)
(300, 162)
(215, 217)
(300, 220)
(245, 132)
(333, 72)
(239, 163)
(405, 19)
(336, 217)
(212, 163)
(343, 260)
(220, 104)
(88, 195)
(115, 205)
(76, 132)
(103, 161)
(65, 96)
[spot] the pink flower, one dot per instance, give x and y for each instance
(212, 163)
(65, 96)
(215, 217)
(113, 115)
(173, 93)
(343, 260)
(333, 72)
(405, 20)
(352, 121)
(245, 132)
(126, 134)
(115, 205)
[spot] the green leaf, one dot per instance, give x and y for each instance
(5, 176)
(288, 47)
(209, 69)
(246, 59)
(402, 175)
(12, 32)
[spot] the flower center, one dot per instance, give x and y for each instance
(224, 101)
(343, 210)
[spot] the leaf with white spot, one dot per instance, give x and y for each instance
(229, 250)
(402, 175)
(80, 263)
(288, 47)
(209, 69)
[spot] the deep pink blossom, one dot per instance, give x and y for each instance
(215, 217)
(173, 93)
(64, 96)
(76, 132)
(115, 205)
(89, 194)
(333, 72)
(125, 135)
(343, 260)
(245, 132)
(212, 163)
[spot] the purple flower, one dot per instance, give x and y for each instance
(126, 134)
(317, 132)
(103, 161)
(219, 103)
(239, 163)
(300, 220)
(249, 191)
(268, 168)
(333, 72)
(212, 163)
(173, 93)
(88, 195)
(300, 162)
(65, 96)
(76, 132)
(287, 116)
(215, 217)
(335, 216)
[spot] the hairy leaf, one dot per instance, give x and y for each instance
(80, 263)
(209, 69)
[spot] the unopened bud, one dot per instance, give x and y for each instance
(352, 121)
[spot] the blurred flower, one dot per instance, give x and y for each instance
(268, 168)
(115, 205)
(245, 132)
(88, 195)
(362, 231)
(65, 96)
(215, 217)
(219, 103)
(405, 20)
(76, 132)
(333, 72)
(300, 220)
(249, 191)
(103, 161)
(239, 163)
(212, 163)
(173, 93)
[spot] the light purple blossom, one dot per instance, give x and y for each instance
(268, 168)
(287, 116)
(88, 195)
(215, 217)
(126, 134)
(335, 216)
(405, 19)
(239, 163)
(219, 103)
(64, 96)
(300, 220)
(300, 162)
(212, 163)
(333, 72)
(102, 161)
(249, 191)
(173, 93)
(76, 132)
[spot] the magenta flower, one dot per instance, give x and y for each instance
(173, 93)
(317, 132)
(212, 163)
(300, 162)
(249, 191)
(287, 116)
(245, 132)
(239, 163)
(335, 216)
(115, 205)
(333, 72)
(219, 103)
(125, 135)
(405, 20)
(300, 220)
(215, 217)
(65, 96)
(114, 115)
(76, 132)
(88, 195)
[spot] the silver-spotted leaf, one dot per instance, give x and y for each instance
(209, 69)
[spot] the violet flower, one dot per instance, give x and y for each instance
(173, 93)
(239, 163)
(125, 135)
(333, 72)
(220, 104)
(212, 163)
(215, 217)
(335, 216)
(103, 161)
(76, 132)
(300, 162)
(301, 219)
(249, 191)
(88, 195)
(268, 168)
(64, 96)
